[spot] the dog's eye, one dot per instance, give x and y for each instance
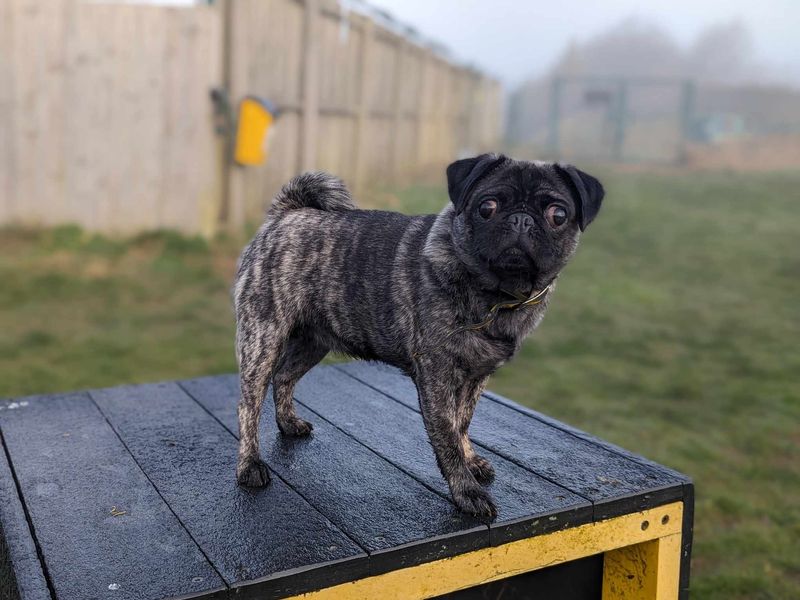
(556, 215)
(487, 209)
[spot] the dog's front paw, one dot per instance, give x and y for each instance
(481, 469)
(295, 427)
(476, 501)
(252, 473)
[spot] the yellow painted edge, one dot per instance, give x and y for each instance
(647, 571)
(489, 564)
(669, 567)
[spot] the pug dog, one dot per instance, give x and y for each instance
(447, 298)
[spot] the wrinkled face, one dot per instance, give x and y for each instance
(521, 220)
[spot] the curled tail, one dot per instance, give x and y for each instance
(317, 189)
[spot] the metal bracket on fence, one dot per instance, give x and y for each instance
(223, 115)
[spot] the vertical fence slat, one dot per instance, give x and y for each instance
(6, 112)
(38, 70)
(191, 193)
(364, 103)
(311, 59)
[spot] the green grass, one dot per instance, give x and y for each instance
(674, 333)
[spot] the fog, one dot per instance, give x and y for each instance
(517, 41)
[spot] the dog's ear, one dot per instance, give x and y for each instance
(587, 191)
(462, 176)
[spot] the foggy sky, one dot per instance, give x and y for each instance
(518, 39)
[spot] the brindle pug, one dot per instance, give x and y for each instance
(447, 298)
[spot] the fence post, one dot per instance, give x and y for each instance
(421, 121)
(362, 110)
(234, 74)
(310, 87)
(6, 115)
(396, 170)
(37, 62)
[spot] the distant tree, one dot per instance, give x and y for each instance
(633, 48)
(722, 53)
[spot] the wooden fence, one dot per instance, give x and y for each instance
(106, 118)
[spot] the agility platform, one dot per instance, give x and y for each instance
(129, 493)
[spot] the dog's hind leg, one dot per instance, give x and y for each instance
(302, 353)
(259, 345)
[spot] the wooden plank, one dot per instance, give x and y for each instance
(528, 504)
(615, 484)
(17, 547)
(395, 518)
(495, 397)
(73, 471)
(265, 543)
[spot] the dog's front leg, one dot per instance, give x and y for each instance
(470, 394)
(439, 396)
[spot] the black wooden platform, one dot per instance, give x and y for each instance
(129, 492)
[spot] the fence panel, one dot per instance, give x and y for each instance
(106, 121)
(107, 112)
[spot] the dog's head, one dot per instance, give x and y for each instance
(518, 221)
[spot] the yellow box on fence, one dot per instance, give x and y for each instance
(252, 131)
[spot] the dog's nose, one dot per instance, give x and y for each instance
(520, 222)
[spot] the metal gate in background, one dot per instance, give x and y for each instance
(634, 120)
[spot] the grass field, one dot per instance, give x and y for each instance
(675, 332)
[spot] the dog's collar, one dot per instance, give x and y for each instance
(535, 298)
